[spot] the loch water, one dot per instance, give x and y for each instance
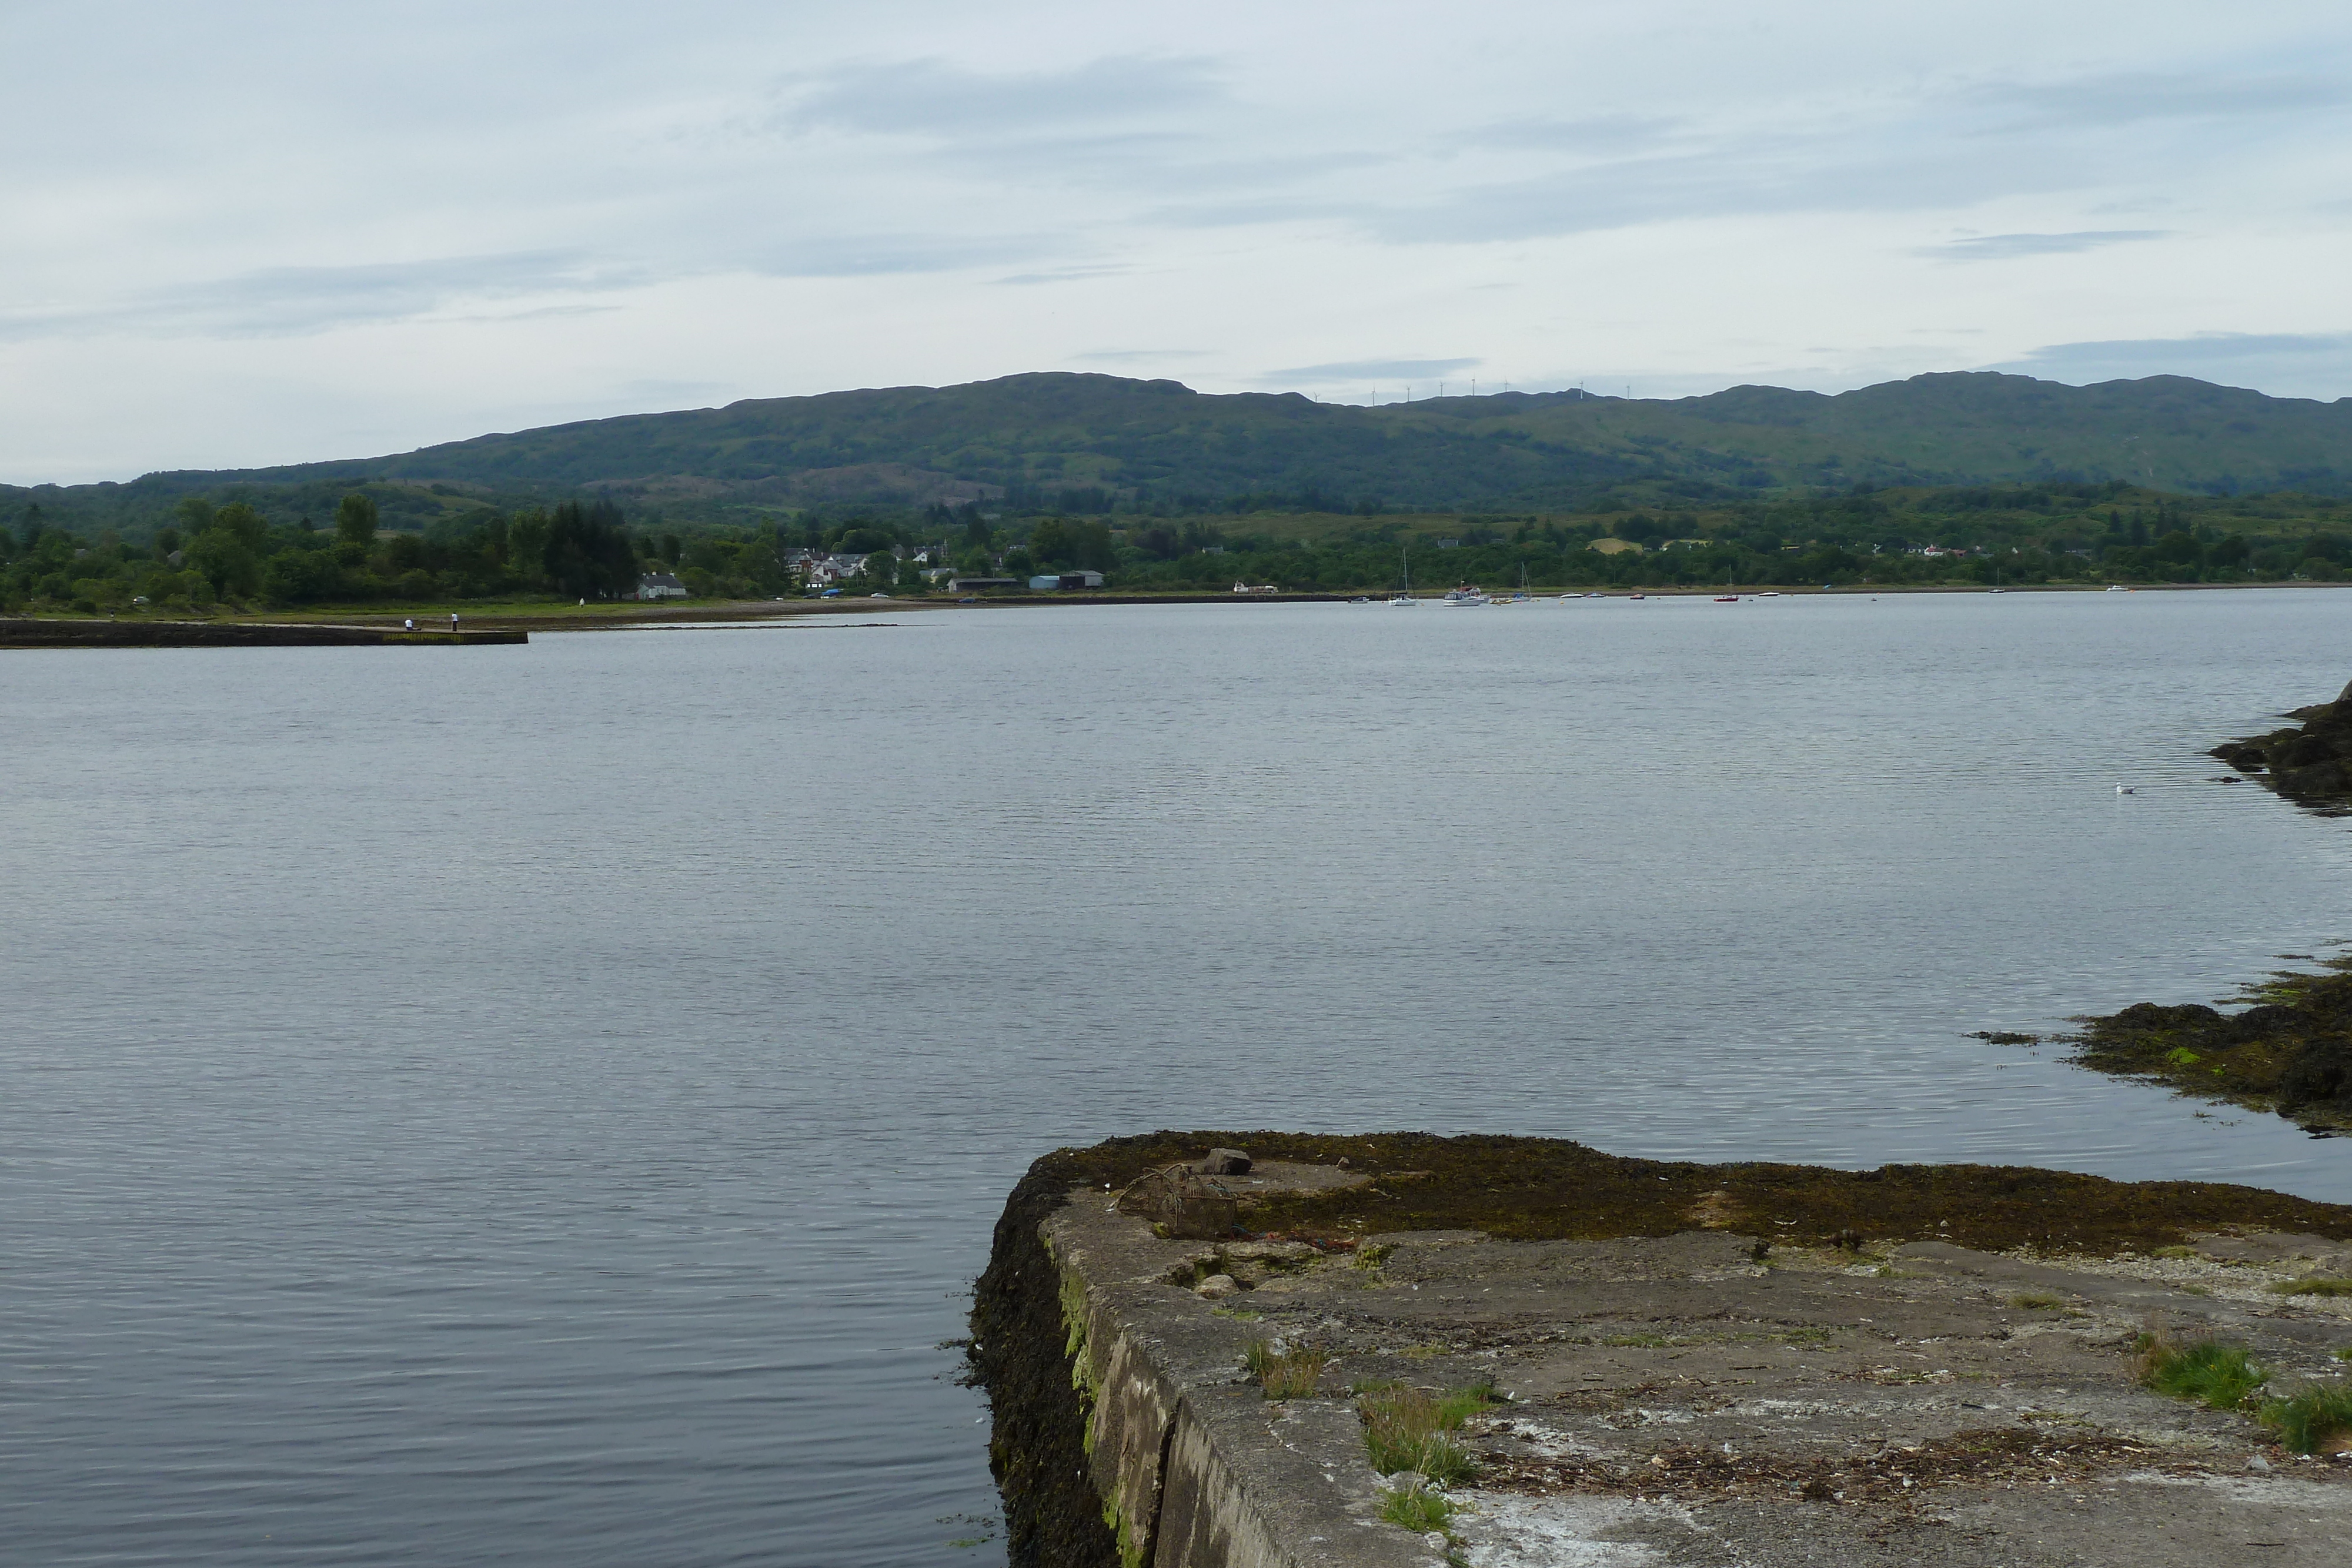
(545, 1106)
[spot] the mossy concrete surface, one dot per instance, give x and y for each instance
(1705, 1365)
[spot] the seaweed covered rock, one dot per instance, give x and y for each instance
(2290, 1051)
(2311, 766)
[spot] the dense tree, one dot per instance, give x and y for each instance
(587, 553)
(356, 520)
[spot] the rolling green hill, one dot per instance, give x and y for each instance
(1080, 443)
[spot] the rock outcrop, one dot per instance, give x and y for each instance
(2290, 1052)
(2312, 764)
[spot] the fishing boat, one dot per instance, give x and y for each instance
(1466, 596)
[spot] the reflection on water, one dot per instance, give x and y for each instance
(542, 1106)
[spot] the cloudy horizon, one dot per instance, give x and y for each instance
(260, 233)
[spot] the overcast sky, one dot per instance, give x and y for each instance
(234, 233)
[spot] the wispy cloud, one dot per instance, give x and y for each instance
(294, 301)
(863, 255)
(2307, 364)
(1063, 275)
(1140, 356)
(2006, 248)
(1610, 134)
(933, 97)
(2135, 98)
(1365, 369)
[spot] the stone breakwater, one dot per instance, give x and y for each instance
(44, 633)
(1644, 1363)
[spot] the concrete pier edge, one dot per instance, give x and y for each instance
(1125, 1432)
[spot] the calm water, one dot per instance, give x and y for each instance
(543, 1105)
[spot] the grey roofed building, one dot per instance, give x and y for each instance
(660, 585)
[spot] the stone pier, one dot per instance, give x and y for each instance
(1662, 1364)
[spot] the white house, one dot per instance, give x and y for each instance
(660, 585)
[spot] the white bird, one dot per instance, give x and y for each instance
(2125, 790)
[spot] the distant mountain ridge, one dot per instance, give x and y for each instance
(1093, 437)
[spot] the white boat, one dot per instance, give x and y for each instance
(2116, 588)
(1466, 596)
(1404, 594)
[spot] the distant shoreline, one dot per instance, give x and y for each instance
(509, 623)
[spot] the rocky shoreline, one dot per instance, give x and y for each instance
(2288, 1049)
(1641, 1361)
(2310, 765)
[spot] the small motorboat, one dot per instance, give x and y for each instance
(1727, 599)
(1466, 597)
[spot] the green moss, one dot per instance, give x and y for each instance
(2313, 1285)
(1132, 1545)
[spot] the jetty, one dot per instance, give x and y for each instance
(45, 633)
(1214, 1350)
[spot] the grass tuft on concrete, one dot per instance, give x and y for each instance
(1417, 1508)
(1413, 1430)
(2314, 1419)
(2313, 1285)
(1286, 1374)
(2223, 1377)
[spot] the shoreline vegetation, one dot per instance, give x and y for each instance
(243, 550)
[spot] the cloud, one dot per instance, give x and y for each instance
(873, 255)
(1135, 356)
(1064, 275)
(932, 97)
(2005, 248)
(2287, 365)
(1365, 369)
(2135, 98)
(296, 301)
(1594, 133)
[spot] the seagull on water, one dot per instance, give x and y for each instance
(2125, 790)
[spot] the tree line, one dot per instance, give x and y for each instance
(229, 555)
